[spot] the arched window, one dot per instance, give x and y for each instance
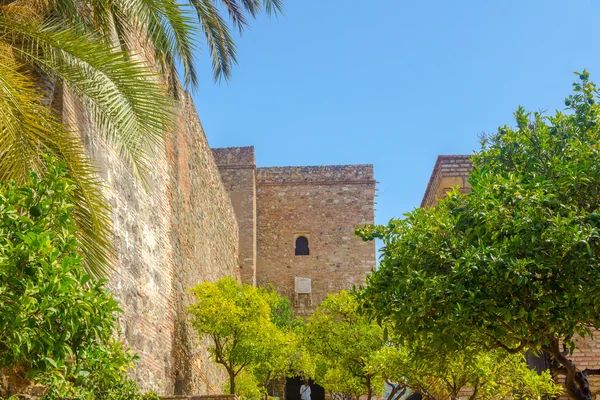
(302, 246)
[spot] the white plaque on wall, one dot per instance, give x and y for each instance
(303, 285)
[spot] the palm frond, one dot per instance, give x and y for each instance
(274, 7)
(166, 26)
(101, 51)
(27, 131)
(236, 14)
(122, 96)
(218, 38)
(252, 6)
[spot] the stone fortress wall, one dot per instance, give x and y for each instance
(453, 170)
(179, 231)
(238, 171)
(324, 204)
(208, 214)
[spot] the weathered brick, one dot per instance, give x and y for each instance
(178, 231)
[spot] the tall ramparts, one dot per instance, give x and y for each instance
(179, 231)
(208, 214)
(296, 225)
(238, 171)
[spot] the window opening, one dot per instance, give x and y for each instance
(302, 246)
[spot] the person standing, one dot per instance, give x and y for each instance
(305, 391)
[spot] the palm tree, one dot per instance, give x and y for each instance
(119, 59)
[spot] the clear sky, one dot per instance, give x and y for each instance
(395, 83)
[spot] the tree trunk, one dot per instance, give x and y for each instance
(231, 382)
(395, 392)
(576, 382)
(369, 388)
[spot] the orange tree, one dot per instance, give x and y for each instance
(241, 322)
(57, 323)
(514, 264)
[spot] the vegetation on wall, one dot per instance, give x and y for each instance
(513, 265)
(57, 323)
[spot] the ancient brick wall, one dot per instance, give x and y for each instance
(323, 204)
(177, 232)
(205, 245)
(238, 171)
(449, 172)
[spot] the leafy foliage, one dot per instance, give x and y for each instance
(516, 259)
(355, 357)
(478, 374)
(345, 345)
(56, 321)
(239, 320)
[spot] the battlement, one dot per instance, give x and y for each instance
(449, 171)
(235, 157)
(277, 206)
(326, 174)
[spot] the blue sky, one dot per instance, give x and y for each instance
(394, 83)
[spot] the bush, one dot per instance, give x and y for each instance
(57, 323)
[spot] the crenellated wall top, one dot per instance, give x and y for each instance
(235, 157)
(326, 174)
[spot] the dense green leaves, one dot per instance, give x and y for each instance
(354, 356)
(49, 309)
(57, 323)
(513, 264)
(252, 331)
(345, 345)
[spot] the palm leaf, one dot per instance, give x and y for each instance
(165, 28)
(122, 97)
(218, 38)
(27, 131)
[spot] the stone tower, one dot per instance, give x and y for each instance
(237, 166)
(319, 207)
(296, 225)
(448, 172)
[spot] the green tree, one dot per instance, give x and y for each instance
(477, 374)
(512, 265)
(237, 318)
(288, 354)
(344, 343)
(57, 323)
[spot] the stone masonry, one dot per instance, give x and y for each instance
(238, 171)
(448, 172)
(453, 170)
(322, 204)
(178, 231)
(203, 215)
